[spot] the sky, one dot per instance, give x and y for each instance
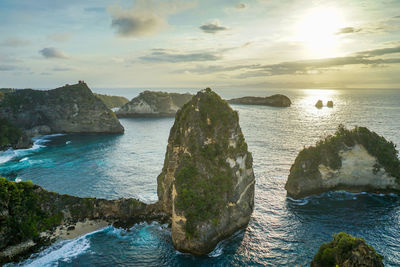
(200, 43)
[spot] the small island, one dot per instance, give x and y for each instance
(355, 160)
(153, 104)
(329, 104)
(273, 101)
(347, 251)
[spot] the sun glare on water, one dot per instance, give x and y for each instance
(318, 31)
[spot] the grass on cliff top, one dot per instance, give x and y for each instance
(204, 179)
(339, 250)
(327, 150)
(9, 134)
(21, 217)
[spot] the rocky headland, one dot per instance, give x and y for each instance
(68, 109)
(154, 104)
(274, 101)
(206, 191)
(31, 217)
(112, 101)
(355, 160)
(346, 251)
(207, 183)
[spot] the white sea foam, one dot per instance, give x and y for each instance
(18, 180)
(23, 159)
(38, 143)
(68, 142)
(63, 251)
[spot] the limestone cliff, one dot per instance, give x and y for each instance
(68, 109)
(27, 211)
(346, 251)
(274, 101)
(154, 104)
(356, 161)
(207, 182)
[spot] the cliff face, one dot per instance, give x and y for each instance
(346, 251)
(207, 182)
(274, 101)
(154, 104)
(112, 101)
(356, 161)
(68, 109)
(27, 211)
(11, 136)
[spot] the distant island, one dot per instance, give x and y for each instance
(154, 104)
(112, 101)
(274, 101)
(205, 189)
(67, 109)
(355, 160)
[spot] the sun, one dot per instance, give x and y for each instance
(318, 31)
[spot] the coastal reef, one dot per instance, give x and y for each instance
(357, 160)
(274, 101)
(112, 101)
(68, 109)
(207, 182)
(154, 104)
(346, 251)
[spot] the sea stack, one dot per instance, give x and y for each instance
(207, 182)
(355, 160)
(347, 251)
(319, 104)
(154, 104)
(68, 109)
(329, 104)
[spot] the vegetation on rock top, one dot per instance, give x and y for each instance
(339, 252)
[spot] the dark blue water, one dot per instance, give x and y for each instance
(282, 232)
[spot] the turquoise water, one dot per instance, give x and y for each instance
(282, 232)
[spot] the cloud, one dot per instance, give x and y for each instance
(147, 18)
(311, 66)
(347, 30)
(51, 52)
(95, 9)
(62, 69)
(163, 55)
(15, 42)
(241, 6)
(7, 68)
(60, 37)
(213, 27)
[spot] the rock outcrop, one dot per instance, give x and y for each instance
(329, 104)
(112, 101)
(207, 182)
(346, 251)
(68, 109)
(355, 160)
(27, 212)
(154, 104)
(319, 104)
(274, 101)
(11, 136)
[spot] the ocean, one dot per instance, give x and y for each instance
(282, 231)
